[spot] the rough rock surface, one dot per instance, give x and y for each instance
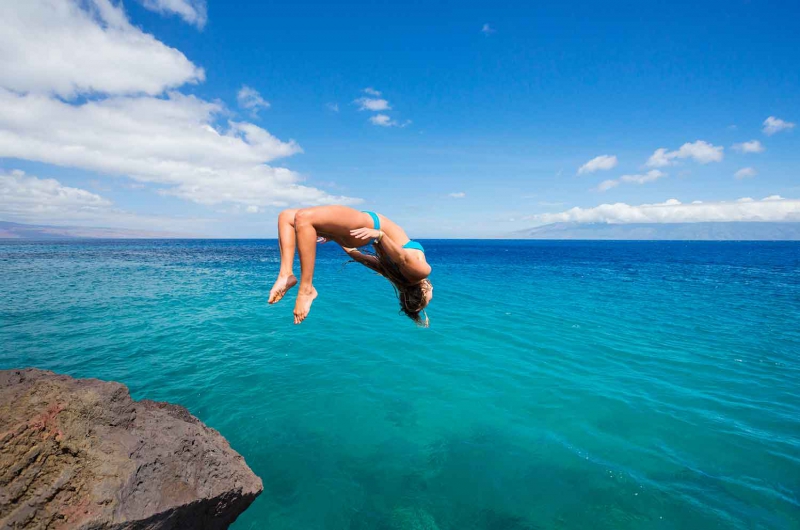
(80, 453)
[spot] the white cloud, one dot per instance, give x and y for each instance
(372, 104)
(192, 11)
(745, 172)
(598, 163)
(175, 141)
(333, 107)
(382, 119)
(457, 195)
(169, 141)
(249, 98)
(372, 92)
(59, 47)
(385, 121)
(650, 176)
(773, 208)
(487, 30)
(608, 184)
(26, 198)
(753, 146)
(774, 125)
(699, 151)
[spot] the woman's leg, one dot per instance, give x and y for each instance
(306, 234)
(287, 242)
(335, 221)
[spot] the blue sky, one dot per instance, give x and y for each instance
(489, 112)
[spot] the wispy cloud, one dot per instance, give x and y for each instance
(753, 146)
(457, 195)
(598, 163)
(773, 208)
(372, 104)
(333, 107)
(650, 176)
(774, 125)
(487, 30)
(249, 99)
(745, 172)
(371, 91)
(194, 12)
(26, 198)
(383, 120)
(699, 151)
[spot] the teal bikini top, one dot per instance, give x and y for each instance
(376, 224)
(415, 245)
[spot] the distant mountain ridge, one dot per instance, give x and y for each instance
(726, 231)
(9, 230)
(737, 231)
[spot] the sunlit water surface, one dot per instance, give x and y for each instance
(562, 385)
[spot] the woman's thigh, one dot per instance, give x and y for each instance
(335, 222)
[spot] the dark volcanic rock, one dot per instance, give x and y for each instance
(80, 453)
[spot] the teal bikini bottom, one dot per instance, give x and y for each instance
(376, 224)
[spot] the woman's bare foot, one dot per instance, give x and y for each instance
(303, 304)
(281, 287)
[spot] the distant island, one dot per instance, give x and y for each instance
(10, 230)
(733, 231)
(721, 231)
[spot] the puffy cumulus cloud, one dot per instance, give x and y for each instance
(598, 163)
(249, 99)
(168, 141)
(699, 151)
(773, 208)
(753, 146)
(192, 11)
(457, 195)
(774, 125)
(26, 198)
(372, 104)
(69, 48)
(745, 172)
(54, 50)
(650, 176)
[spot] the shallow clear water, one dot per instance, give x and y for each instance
(563, 385)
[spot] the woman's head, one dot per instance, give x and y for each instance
(414, 297)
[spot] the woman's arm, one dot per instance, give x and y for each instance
(412, 270)
(364, 259)
(392, 249)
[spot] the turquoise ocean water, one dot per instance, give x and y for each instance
(562, 385)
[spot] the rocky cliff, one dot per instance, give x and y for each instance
(80, 453)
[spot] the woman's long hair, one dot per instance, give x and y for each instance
(411, 296)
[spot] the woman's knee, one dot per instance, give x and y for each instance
(287, 216)
(304, 217)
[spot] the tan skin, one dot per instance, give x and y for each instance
(350, 228)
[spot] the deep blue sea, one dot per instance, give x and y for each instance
(562, 385)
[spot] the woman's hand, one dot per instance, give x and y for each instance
(366, 233)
